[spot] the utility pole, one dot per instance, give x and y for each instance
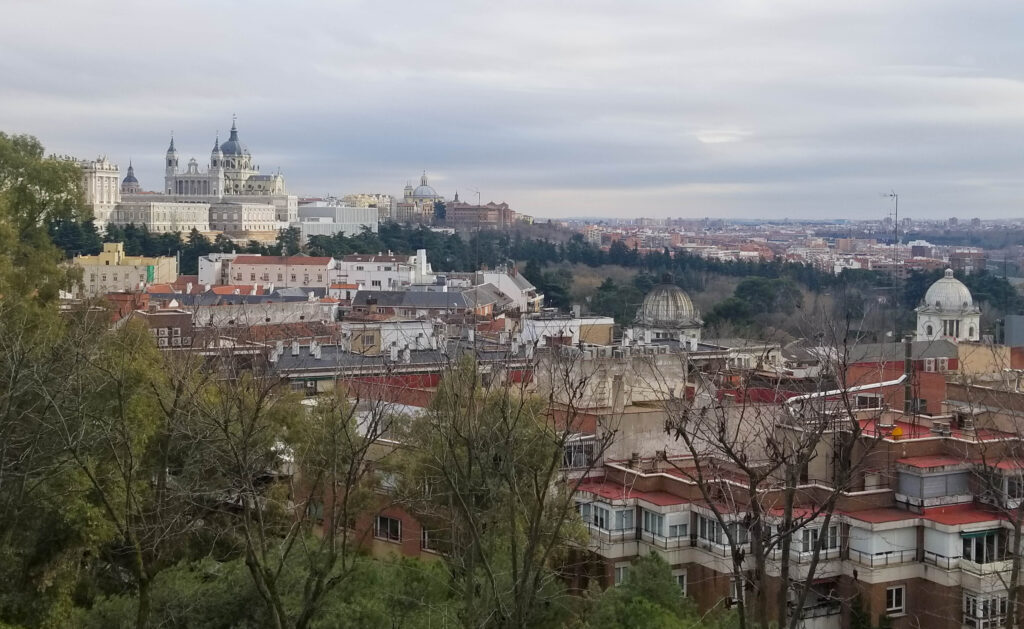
(896, 265)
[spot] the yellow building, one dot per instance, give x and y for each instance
(113, 272)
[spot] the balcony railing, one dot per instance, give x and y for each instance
(878, 560)
(806, 557)
(722, 550)
(820, 610)
(941, 561)
(991, 567)
(611, 537)
(667, 543)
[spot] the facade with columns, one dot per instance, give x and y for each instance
(101, 187)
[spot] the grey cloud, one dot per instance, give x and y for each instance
(740, 107)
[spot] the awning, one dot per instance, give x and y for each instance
(973, 534)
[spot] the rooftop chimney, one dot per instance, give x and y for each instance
(908, 371)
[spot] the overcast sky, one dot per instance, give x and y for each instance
(802, 108)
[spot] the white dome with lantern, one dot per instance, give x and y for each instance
(948, 312)
(668, 315)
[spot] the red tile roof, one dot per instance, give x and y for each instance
(243, 289)
(961, 514)
(616, 491)
(881, 515)
(920, 431)
(160, 288)
(925, 462)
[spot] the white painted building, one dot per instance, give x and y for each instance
(948, 312)
(384, 272)
(329, 217)
(282, 271)
(101, 185)
(214, 267)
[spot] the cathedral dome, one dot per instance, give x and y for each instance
(424, 192)
(667, 306)
(130, 177)
(949, 294)
(233, 146)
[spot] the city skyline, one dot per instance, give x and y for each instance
(733, 110)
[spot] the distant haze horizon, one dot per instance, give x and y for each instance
(736, 108)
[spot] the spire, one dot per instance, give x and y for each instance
(456, 196)
(234, 130)
(423, 179)
(170, 149)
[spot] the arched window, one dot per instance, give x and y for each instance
(970, 332)
(928, 330)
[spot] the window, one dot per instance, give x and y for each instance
(252, 276)
(895, 599)
(928, 330)
(280, 277)
(869, 401)
(681, 582)
(387, 528)
(984, 612)
(982, 547)
(653, 522)
(601, 517)
(1015, 487)
(624, 520)
(428, 540)
(735, 590)
(578, 454)
(621, 572)
(709, 529)
(375, 283)
(584, 509)
(678, 530)
(809, 539)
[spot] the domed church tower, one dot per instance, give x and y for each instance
(948, 312)
(130, 185)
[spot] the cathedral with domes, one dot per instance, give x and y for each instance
(229, 195)
(948, 312)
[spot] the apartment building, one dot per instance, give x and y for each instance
(281, 271)
(112, 271)
(923, 535)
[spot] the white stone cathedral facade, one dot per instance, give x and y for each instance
(230, 195)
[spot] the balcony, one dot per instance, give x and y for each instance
(604, 536)
(991, 567)
(941, 561)
(806, 557)
(881, 560)
(722, 550)
(665, 543)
